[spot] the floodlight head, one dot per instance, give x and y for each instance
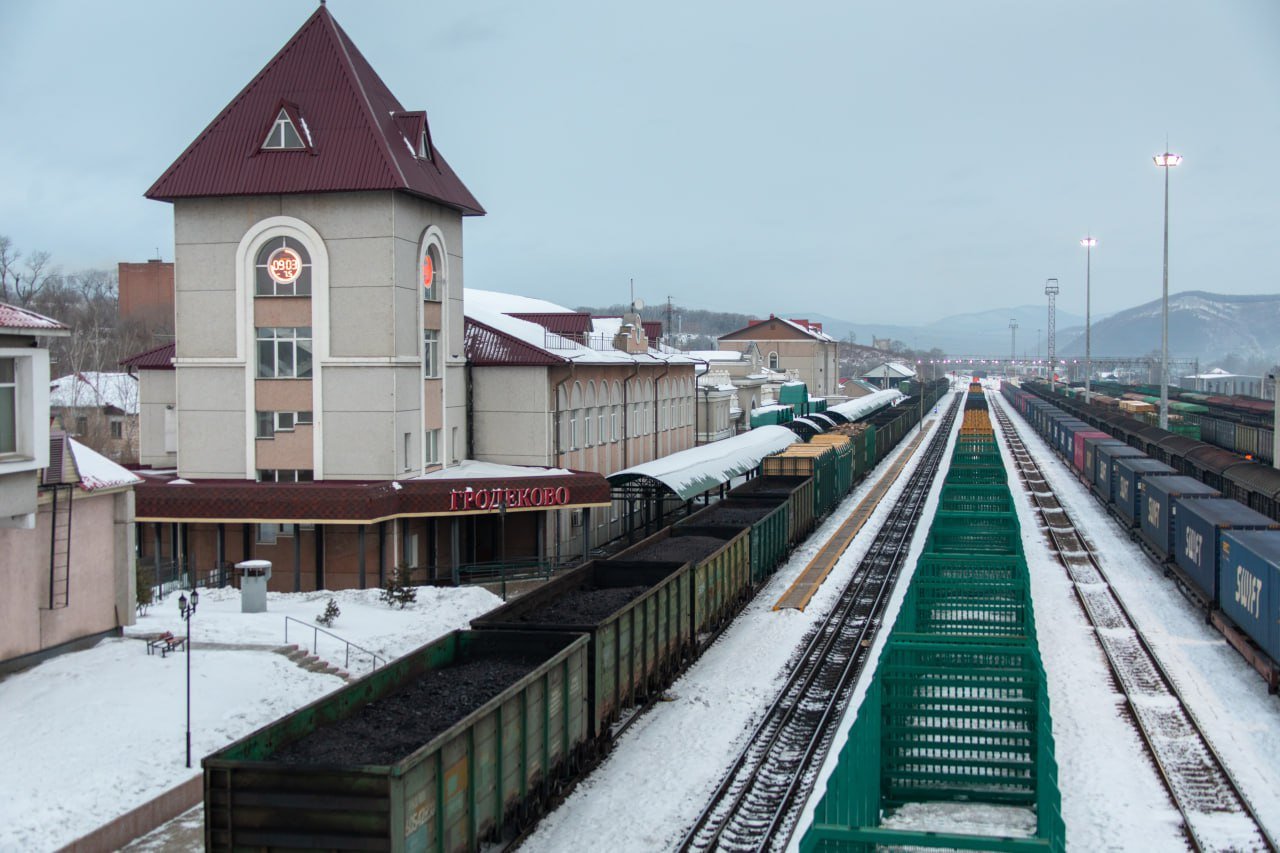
(1051, 287)
(1089, 242)
(1166, 160)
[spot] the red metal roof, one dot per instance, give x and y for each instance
(485, 346)
(569, 324)
(337, 501)
(13, 317)
(156, 358)
(652, 329)
(352, 125)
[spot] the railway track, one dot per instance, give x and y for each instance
(755, 807)
(1215, 813)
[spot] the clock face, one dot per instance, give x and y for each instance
(284, 265)
(428, 271)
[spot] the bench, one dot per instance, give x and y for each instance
(165, 643)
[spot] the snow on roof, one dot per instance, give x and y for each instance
(510, 303)
(692, 472)
(97, 471)
(716, 354)
(891, 369)
(95, 389)
(13, 317)
(808, 330)
(860, 407)
(773, 407)
(472, 469)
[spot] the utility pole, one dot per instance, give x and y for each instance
(1051, 290)
(666, 331)
(1013, 343)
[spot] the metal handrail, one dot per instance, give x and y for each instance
(316, 631)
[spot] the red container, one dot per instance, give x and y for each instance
(1077, 460)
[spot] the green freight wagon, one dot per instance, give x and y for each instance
(636, 646)
(721, 571)
(975, 498)
(775, 414)
(797, 492)
(807, 460)
(768, 539)
(844, 447)
(452, 793)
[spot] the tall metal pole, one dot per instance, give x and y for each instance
(1088, 243)
(1013, 344)
(1165, 161)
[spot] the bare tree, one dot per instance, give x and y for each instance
(21, 281)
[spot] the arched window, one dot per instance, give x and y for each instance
(433, 272)
(282, 268)
(773, 361)
(588, 421)
(575, 425)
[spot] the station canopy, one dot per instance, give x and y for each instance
(860, 407)
(691, 472)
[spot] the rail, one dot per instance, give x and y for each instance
(754, 806)
(1194, 775)
(316, 631)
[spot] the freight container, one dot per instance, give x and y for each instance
(637, 615)
(1104, 476)
(1128, 473)
(768, 524)
(797, 492)
(1249, 571)
(1157, 497)
(1198, 528)
(721, 573)
(1067, 430)
(322, 777)
(1082, 457)
(1091, 446)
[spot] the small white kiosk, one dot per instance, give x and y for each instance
(254, 575)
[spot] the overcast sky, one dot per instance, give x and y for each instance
(879, 162)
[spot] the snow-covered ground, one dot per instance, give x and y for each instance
(90, 735)
(665, 767)
(1110, 796)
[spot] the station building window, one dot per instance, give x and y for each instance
(282, 268)
(284, 353)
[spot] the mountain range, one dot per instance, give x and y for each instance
(1212, 327)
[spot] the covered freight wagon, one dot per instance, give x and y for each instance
(338, 774)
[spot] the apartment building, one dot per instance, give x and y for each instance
(792, 346)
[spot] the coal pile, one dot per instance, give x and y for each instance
(734, 516)
(678, 549)
(583, 605)
(391, 728)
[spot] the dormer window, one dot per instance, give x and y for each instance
(424, 146)
(283, 136)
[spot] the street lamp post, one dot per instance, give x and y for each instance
(1088, 243)
(1165, 161)
(187, 610)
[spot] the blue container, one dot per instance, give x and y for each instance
(1129, 472)
(1066, 443)
(1091, 446)
(1249, 569)
(1104, 475)
(1198, 526)
(1158, 496)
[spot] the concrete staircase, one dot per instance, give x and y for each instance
(303, 657)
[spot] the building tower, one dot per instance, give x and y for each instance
(1051, 290)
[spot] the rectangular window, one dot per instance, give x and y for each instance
(8, 405)
(82, 426)
(614, 415)
(433, 446)
(600, 418)
(117, 429)
(453, 444)
(284, 421)
(285, 475)
(431, 354)
(284, 353)
(304, 418)
(267, 533)
(266, 425)
(408, 441)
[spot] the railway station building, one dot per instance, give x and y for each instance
(327, 404)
